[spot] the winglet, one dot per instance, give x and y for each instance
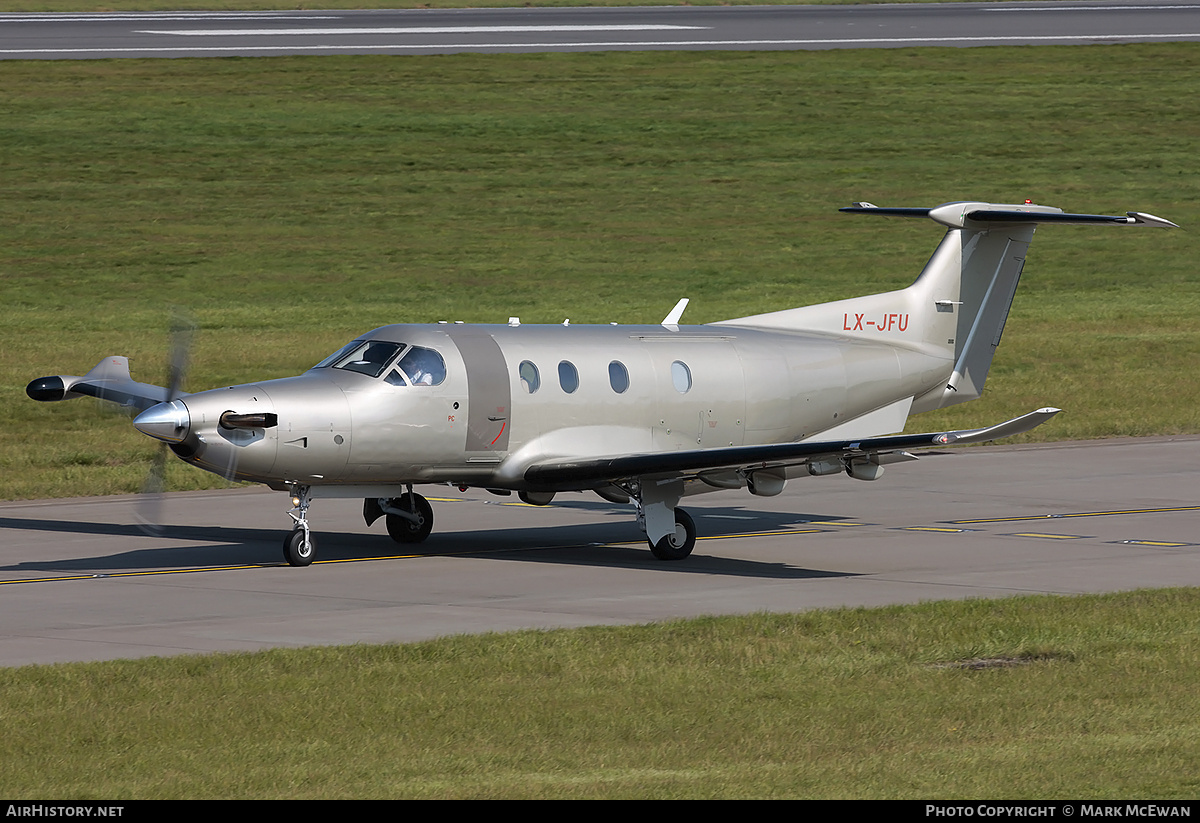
(1144, 219)
(1018, 425)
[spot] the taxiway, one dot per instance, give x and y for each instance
(80, 581)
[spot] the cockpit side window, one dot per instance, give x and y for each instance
(424, 367)
(337, 355)
(368, 357)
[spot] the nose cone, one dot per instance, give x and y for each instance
(169, 422)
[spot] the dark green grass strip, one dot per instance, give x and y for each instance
(292, 203)
(1043, 698)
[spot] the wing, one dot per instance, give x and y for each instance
(109, 380)
(576, 473)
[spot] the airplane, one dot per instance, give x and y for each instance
(641, 414)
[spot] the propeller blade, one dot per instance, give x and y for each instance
(148, 513)
(150, 505)
(182, 330)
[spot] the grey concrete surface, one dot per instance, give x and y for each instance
(79, 581)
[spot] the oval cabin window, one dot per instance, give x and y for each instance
(618, 377)
(681, 376)
(568, 377)
(531, 381)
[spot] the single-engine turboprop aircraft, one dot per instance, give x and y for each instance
(641, 414)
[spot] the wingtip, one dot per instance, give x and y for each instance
(1144, 219)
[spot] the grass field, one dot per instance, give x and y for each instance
(292, 203)
(1044, 698)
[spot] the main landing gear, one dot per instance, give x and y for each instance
(409, 517)
(679, 543)
(670, 531)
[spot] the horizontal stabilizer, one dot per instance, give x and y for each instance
(972, 214)
(109, 380)
(1131, 218)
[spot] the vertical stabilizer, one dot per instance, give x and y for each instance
(954, 313)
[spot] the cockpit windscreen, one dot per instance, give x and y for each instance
(368, 357)
(419, 366)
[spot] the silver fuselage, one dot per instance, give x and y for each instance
(640, 389)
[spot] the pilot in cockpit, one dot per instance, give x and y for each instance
(424, 367)
(379, 353)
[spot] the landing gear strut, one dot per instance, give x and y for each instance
(299, 547)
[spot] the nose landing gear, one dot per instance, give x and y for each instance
(298, 547)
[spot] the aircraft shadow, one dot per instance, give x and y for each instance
(594, 544)
(628, 557)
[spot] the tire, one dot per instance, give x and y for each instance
(296, 552)
(403, 530)
(680, 544)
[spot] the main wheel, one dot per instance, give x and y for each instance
(404, 530)
(678, 545)
(297, 551)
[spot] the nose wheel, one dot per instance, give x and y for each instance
(299, 548)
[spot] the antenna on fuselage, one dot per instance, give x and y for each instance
(671, 321)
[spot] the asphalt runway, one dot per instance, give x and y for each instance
(79, 581)
(48, 36)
